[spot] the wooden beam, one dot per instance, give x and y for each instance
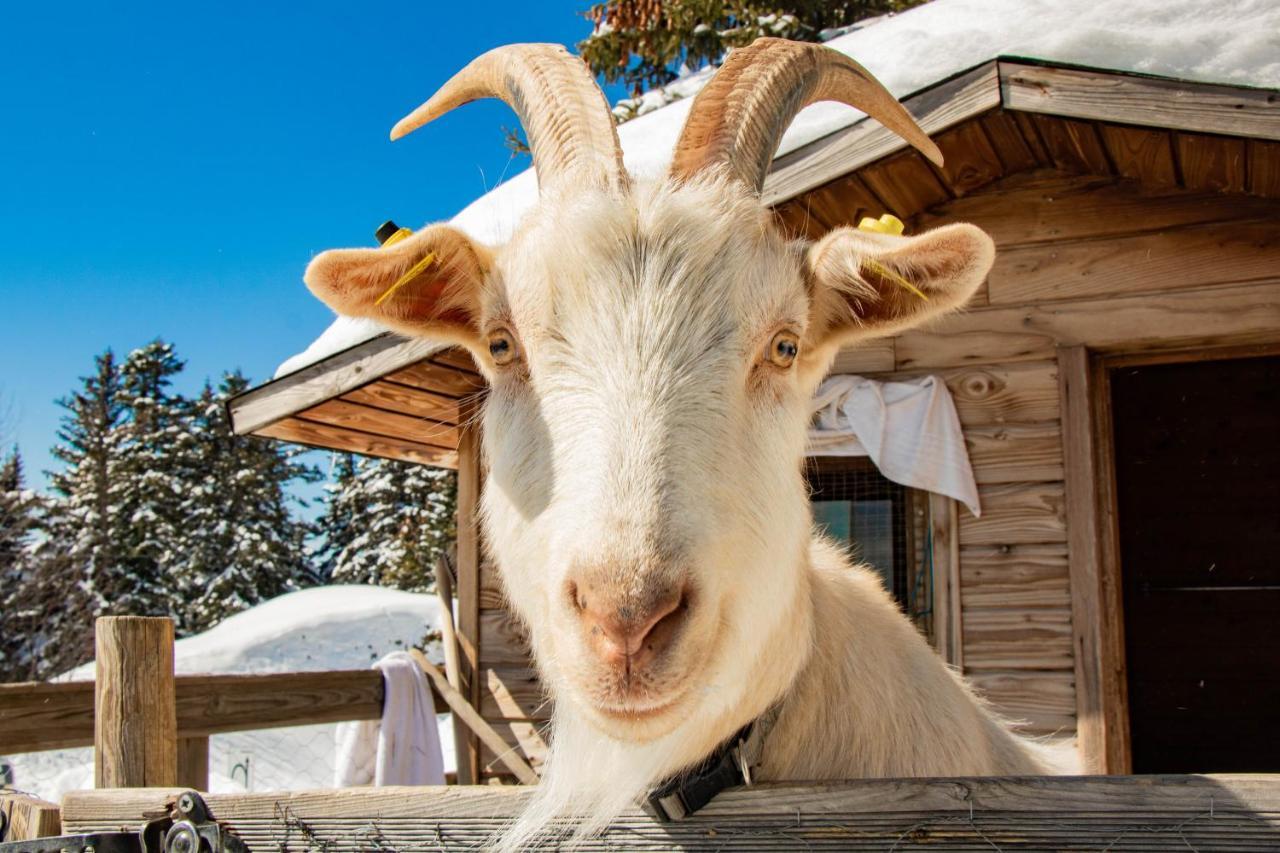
(468, 591)
(944, 527)
(26, 818)
(135, 736)
(1137, 100)
(328, 437)
(38, 716)
(1096, 617)
(193, 762)
(326, 379)
(936, 108)
(1037, 813)
(378, 421)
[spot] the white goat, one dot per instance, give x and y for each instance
(651, 349)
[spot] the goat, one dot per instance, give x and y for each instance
(651, 348)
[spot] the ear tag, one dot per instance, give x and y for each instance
(891, 225)
(388, 234)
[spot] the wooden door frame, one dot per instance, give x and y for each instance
(1093, 540)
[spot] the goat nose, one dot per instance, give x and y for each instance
(632, 632)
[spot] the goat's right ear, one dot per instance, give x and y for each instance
(426, 284)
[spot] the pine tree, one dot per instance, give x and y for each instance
(646, 43)
(386, 522)
(242, 544)
(18, 522)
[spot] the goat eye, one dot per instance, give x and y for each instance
(783, 349)
(502, 347)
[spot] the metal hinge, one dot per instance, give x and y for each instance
(190, 829)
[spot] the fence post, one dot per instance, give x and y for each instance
(135, 729)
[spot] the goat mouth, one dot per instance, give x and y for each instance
(635, 713)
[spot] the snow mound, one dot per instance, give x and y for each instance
(1209, 41)
(325, 628)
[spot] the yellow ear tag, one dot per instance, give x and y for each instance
(410, 274)
(892, 225)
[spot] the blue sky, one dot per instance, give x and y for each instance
(168, 170)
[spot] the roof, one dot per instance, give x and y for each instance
(1213, 41)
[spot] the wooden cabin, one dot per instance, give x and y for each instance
(1117, 380)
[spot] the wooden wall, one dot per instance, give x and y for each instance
(1088, 255)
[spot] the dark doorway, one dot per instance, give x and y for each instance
(1197, 456)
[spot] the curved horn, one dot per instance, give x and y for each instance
(739, 117)
(571, 131)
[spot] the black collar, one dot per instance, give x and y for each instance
(731, 765)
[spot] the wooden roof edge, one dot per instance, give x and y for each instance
(1032, 85)
(325, 379)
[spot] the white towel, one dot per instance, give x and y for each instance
(403, 748)
(908, 428)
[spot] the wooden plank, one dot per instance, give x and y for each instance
(1044, 701)
(1141, 154)
(1211, 163)
(466, 714)
(935, 109)
(36, 716)
(439, 379)
(971, 159)
(947, 605)
(468, 550)
(1004, 393)
(135, 734)
(1047, 207)
(1098, 624)
(1192, 256)
(504, 642)
(1074, 146)
(866, 357)
(843, 202)
(1015, 576)
(1264, 168)
(525, 739)
(1015, 453)
(906, 182)
(1130, 99)
(514, 693)
(1014, 513)
(325, 379)
(1008, 142)
(355, 416)
(1026, 123)
(796, 221)
(329, 437)
(26, 818)
(1224, 315)
(1034, 813)
(406, 400)
(193, 763)
(1003, 639)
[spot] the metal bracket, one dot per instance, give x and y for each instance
(190, 829)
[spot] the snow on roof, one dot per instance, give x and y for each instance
(1210, 41)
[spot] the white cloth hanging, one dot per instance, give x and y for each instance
(909, 428)
(403, 748)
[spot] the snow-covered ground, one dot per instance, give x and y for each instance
(335, 627)
(1211, 41)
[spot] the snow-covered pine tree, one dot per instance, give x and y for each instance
(18, 521)
(241, 544)
(385, 522)
(80, 565)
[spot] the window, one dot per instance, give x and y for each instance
(883, 524)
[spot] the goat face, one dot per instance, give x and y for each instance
(651, 350)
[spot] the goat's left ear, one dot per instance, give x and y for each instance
(867, 285)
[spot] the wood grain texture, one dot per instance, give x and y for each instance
(1224, 315)
(26, 818)
(357, 416)
(327, 436)
(1015, 513)
(1015, 453)
(869, 357)
(964, 96)
(1001, 638)
(1264, 168)
(193, 763)
(503, 640)
(906, 182)
(971, 161)
(438, 378)
(1009, 143)
(514, 693)
(1018, 577)
(1130, 99)
(135, 736)
(1191, 256)
(1038, 813)
(406, 400)
(1211, 163)
(468, 564)
(520, 738)
(947, 603)
(1140, 153)
(1073, 146)
(1039, 702)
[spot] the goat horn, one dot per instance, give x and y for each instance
(739, 117)
(563, 111)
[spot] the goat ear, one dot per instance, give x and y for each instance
(867, 285)
(425, 284)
